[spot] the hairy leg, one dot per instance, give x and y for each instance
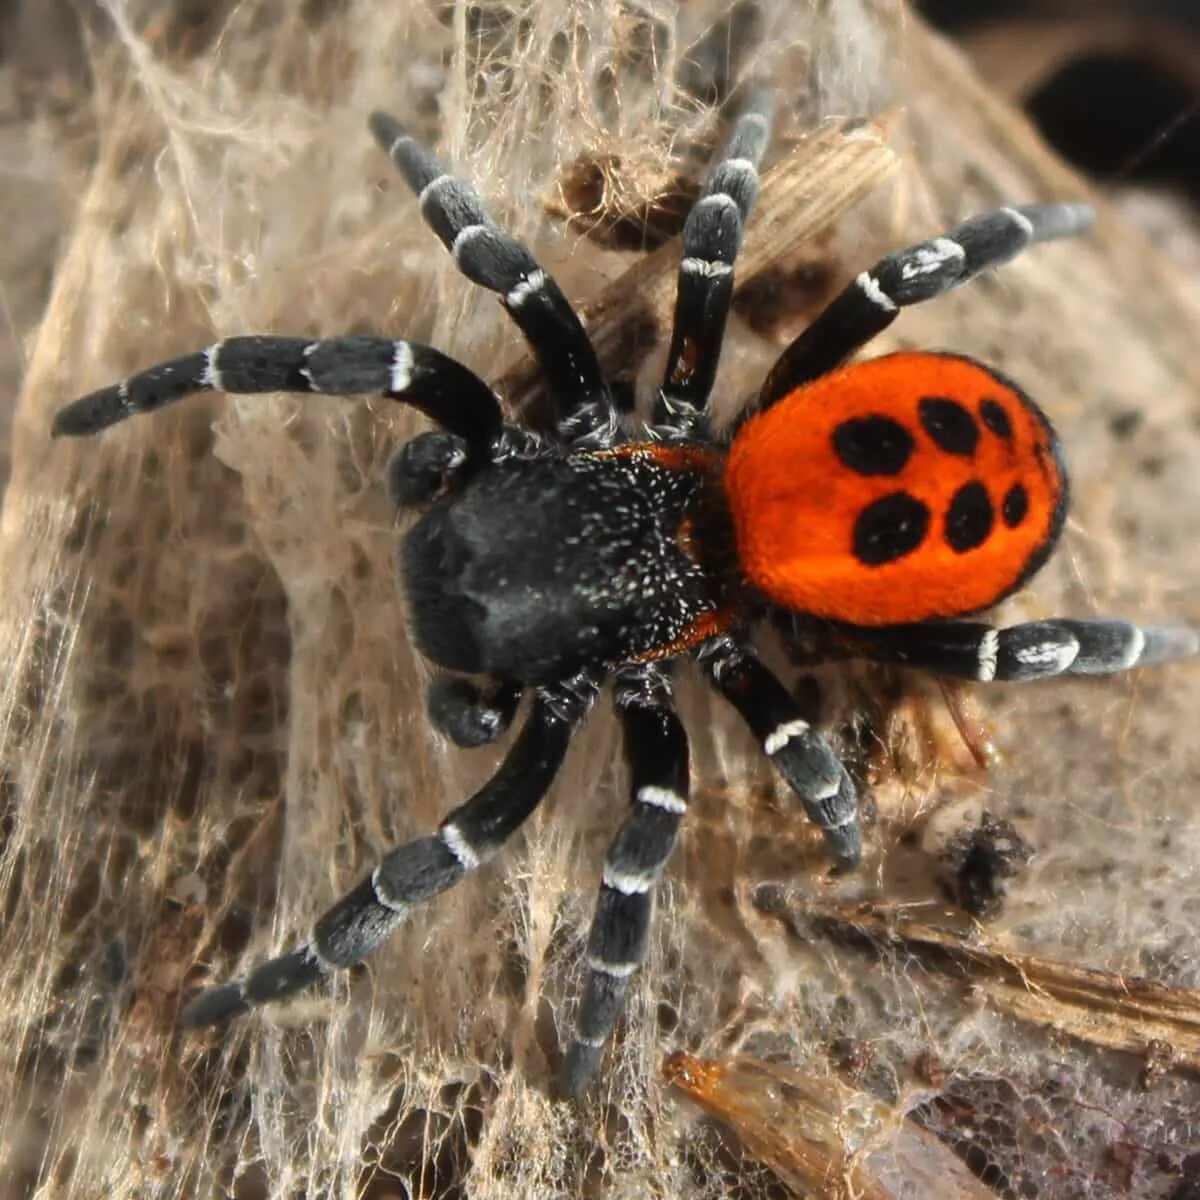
(874, 299)
(362, 920)
(657, 752)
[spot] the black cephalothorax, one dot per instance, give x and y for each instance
(546, 564)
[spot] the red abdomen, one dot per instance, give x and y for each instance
(908, 487)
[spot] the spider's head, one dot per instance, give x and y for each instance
(904, 488)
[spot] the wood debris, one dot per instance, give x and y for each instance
(1105, 1008)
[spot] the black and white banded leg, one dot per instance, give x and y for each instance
(656, 748)
(445, 390)
(712, 237)
(1034, 650)
(869, 304)
(358, 924)
(497, 261)
(800, 754)
(470, 715)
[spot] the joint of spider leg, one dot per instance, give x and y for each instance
(869, 286)
(721, 200)
(682, 415)
(455, 841)
(596, 1042)
(628, 883)
(931, 257)
(435, 184)
(708, 268)
(1020, 220)
(464, 237)
(529, 286)
(1133, 652)
(778, 738)
(518, 442)
(613, 970)
(723, 653)
(313, 956)
(988, 656)
(471, 206)
(665, 798)
(212, 371)
(643, 686)
(382, 897)
(593, 426)
(401, 374)
(570, 699)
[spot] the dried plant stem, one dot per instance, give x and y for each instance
(1105, 1008)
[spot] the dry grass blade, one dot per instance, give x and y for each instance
(1105, 1008)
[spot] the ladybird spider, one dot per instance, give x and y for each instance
(882, 498)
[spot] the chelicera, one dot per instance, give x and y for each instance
(887, 498)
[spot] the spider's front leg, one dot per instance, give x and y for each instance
(495, 260)
(358, 924)
(801, 755)
(445, 390)
(1033, 650)
(657, 752)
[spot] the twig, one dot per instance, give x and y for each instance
(1105, 1008)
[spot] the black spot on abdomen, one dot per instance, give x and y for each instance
(874, 445)
(951, 427)
(889, 528)
(1015, 506)
(969, 518)
(995, 418)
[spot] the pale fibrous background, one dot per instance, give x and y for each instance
(212, 716)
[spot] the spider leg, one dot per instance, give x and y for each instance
(443, 389)
(873, 300)
(801, 755)
(1034, 650)
(657, 751)
(712, 237)
(358, 924)
(488, 256)
(467, 714)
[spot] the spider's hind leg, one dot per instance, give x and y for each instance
(874, 299)
(1033, 650)
(359, 923)
(656, 748)
(798, 752)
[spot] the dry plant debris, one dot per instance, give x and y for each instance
(1160, 1024)
(821, 1137)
